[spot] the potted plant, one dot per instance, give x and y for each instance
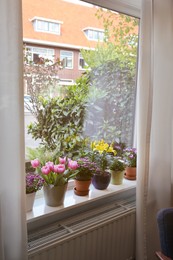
(117, 168)
(56, 175)
(101, 151)
(83, 176)
(130, 157)
(34, 182)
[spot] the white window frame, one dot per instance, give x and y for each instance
(33, 50)
(46, 25)
(92, 34)
(64, 58)
(129, 7)
(66, 82)
(79, 59)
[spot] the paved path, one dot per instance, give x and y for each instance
(29, 141)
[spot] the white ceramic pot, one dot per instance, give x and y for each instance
(30, 197)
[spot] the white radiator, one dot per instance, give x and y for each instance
(104, 233)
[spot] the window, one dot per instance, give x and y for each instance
(46, 25)
(82, 62)
(36, 53)
(65, 82)
(102, 105)
(67, 59)
(94, 34)
(110, 110)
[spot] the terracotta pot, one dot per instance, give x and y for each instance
(30, 197)
(130, 173)
(101, 181)
(117, 177)
(81, 187)
(54, 195)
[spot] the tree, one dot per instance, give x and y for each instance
(113, 72)
(101, 102)
(59, 119)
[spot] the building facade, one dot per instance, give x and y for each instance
(55, 29)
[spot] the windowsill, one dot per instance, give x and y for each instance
(41, 211)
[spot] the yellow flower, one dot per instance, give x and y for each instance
(101, 146)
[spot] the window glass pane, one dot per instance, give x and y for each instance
(36, 53)
(53, 27)
(82, 62)
(90, 34)
(94, 35)
(66, 57)
(99, 100)
(42, 25)
(46, 26)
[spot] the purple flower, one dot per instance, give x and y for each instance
(130, 156)
(34, 182)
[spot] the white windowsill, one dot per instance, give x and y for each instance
(40, 210)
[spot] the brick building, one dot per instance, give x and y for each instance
(60, 29)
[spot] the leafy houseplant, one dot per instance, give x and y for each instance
(117, 164)
(56, 175)
(101, 151)
(130, 156)
(85, 169)
(117, 167)
(34, 182)
(83, 176)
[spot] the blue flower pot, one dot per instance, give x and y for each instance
(101, 181)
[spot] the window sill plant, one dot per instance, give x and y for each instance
(34, 182)
(83, 176)
(56, 175)
(130, 157)
(117, 168)
(100, 154)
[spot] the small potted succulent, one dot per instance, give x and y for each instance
(117, 168)
(84, 173)
(34, 182)
(130, 158)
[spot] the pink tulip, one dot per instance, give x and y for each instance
(45, 170)
(59, 168)
(72, 165)
(35, 163)
(62, 160)
(50, 165)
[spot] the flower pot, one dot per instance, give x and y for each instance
(30, 197)
(130, 173)
(101, 181)
(117, 177)
(81, 187)
(54, 195)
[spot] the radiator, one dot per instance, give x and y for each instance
(103, 233)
